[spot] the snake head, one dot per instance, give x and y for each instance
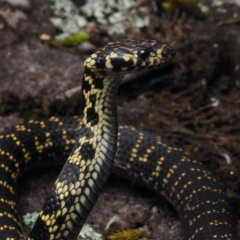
(130, 55)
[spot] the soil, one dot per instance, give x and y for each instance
(194, 102)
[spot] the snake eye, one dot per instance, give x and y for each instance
(143, 53)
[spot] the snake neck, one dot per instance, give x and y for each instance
(100, 125)
(90, 162)
(100, 112)
(99, 98)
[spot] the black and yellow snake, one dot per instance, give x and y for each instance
(96, 139)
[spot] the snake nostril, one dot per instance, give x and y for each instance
(168, 51)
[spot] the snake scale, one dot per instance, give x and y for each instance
(93, 143)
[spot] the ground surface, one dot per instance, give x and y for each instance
(194, 102)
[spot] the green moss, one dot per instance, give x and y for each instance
(88, 232)
(46, 108)
(190, 6)
(142, 125)
(212, 126)
(224, 167)
(203, 82)
(73, 40)
(30, 218)
(193, 148)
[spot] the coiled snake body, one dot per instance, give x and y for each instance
(141, 156)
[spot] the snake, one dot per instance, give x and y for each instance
(95, 145)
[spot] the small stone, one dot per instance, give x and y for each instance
(45, 37)
(154, 210)
(87, 47)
